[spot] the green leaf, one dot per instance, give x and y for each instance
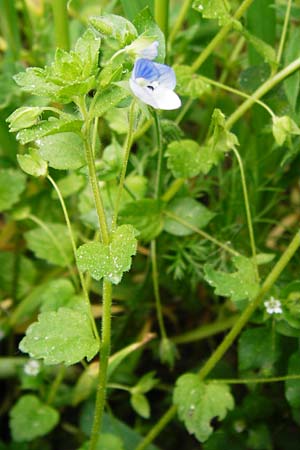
(48, 127)
(52, 243)
(109, 261)
(198, 402)
(193, 212)
(111, 162)
(265, 50)
(30, 418)
(222, 140)
(147, 27)
(33, 164)
(70, 184)
(190, 84)
(34, 81)
(282, 128)
(185, 158)
(64, 336)
(87, 48)
(132, 7)
(106, 441)
(257, 349)
(63, 151)
(116, 27)
(239, 285)
(12, 184)
(292, 387)
(26, 274)
(214, 9)
(24, 117)
(108, 98)
(292, 52)
(145, 215)
(140, 404)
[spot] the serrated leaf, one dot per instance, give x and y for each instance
(239, 285)
(87, 48)
(198, 402)
(48, 127)
(51, 243)
(116, 27)
(213, 9)
(257, 349)
(30, 418)
(109, 261)
(145, 215)
(64, 151)
(33, 164)
(193, 212)
(147, 27)
(107, 99)
(64, 336)
(140, 404)
(292, 387)
(190, 84)
(185, 158)
(34, 80)
(12, 184)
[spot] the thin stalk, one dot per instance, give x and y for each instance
(257, 380)
(10, 27)
(261, 91)
(179, 21)
(202, 233)
(231, 336)
(160, 155)
(55, 385)
(155, 281)
(237, 92)
(128, 144)
(284, 31)
(173, 189)
(61, 25)
(73, 243)
(220, 36)
(184, 110)
(236, 51)
(57, 245)
(248, 211)
(161, 15)
(104, 358)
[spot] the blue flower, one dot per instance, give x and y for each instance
(154, 84)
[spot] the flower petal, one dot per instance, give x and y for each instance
(144, 68)
(166, 76)
(143, 93)
(166, 98)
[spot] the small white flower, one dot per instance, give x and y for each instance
(32, 367)
(273, 306)
(154, 84)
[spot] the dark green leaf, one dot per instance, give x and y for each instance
(292, 387)
(12, 184)
(214, 9)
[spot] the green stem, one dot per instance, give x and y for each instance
(284, 31)
(205, 331)
(56, 243)
(161, 15)
(9, 26)
(201, 233)
(248, 212)
(232, 58)
(184, 110)
(257, 380)
(179, 21)
(55, 385)
(173, 189)
(160, 155)
(220, 36)
(155, 281)
(72, 239)
(127, 149)
(231, 336)
(261, 91)
(104, 358)
(61, 25)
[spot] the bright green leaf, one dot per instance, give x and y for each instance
(140, 404)
(116, 27)
(106, 442)
(12, 184)
(30, 418)
(34, 80)
(109, 261)
(198, 402)
(292, 387)
(191, 211)
(190, 84)
(33, 164)
(222, 139)
(63, 151)
(70, 184)
(64, 336)
(24, 117)
(185, 158)
(52, 243)
(145, 215)
(214, 9)
(239, 285)
(257, 349)
(87, 48)
(147, 27)
(283, 127)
